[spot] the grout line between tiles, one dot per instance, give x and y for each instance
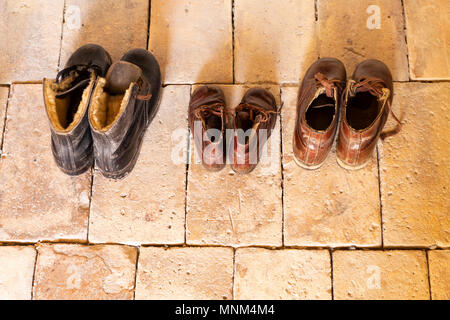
(188, 157)
(2, 140)
(332, 273)
(211, 245)
(149, 13)
(138, 248)
(27, 82)
(380, 195)
(406, 38)
(90, 202)
(428, 274)
(34, 273)
(232, 39)
(282, 85)
(282, 169)
(233, 275)
(62, 34)
(316, 11)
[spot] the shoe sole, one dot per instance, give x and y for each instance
(350, 167)
(78, 171)
(243, 171)
(308, 167)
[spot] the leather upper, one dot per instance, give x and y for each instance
(67, 100)
(258, 110)
(123, 105)
(325, 78)
(207, 111)
(356, 145)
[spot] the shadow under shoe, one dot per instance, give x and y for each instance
(208, 118)
(366, 104)
(257, 111)
(123, 105)
(67, 99)
(318, 112)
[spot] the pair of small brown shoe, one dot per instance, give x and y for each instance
(363, 103)
(209, 119)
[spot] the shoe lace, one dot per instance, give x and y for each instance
(320, 80)
(375, 87)
(79, 71)
(328, 84)
(217, 109)
(253, 110)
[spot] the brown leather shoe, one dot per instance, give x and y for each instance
(208, 117)
(365, 108)
(67, 100)
(123, 105)
(318, 108)
(257, 111)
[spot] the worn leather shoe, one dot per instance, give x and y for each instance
(123, 105)
(67, 99)
(208, 118)
(365, 108)
(318, 108)
(257, 111)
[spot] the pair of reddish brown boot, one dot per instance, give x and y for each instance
(241, 144)
(363, 104)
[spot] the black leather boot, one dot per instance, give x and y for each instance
(67, 100)
(123, 105)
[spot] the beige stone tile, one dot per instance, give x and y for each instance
(16, 272)
(4, 91)
(233, 209)
(148, 206)
(71, 271)
(282, 274)
(384, 275)
(274, 40)
(428, 33)
(348, 30)
(38, 201)
(118, 26)
(185, 273)
(414, 168)
(30, 34)
(192, 40)
(439, 264)
(329, 206)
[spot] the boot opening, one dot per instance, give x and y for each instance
(106, 106)
(362, 110)
(213, 122)
(67, 111)
(244, 122)
(321, 112)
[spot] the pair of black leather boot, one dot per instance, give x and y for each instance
(99, 110)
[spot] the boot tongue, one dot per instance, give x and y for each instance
(120, 75)
(72, 78)
(245, 115)
(80, 85)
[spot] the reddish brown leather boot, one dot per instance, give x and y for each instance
(257, 111)
(208, 117)
(366, 104)
(318, 112)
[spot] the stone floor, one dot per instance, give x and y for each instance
(171, 230)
